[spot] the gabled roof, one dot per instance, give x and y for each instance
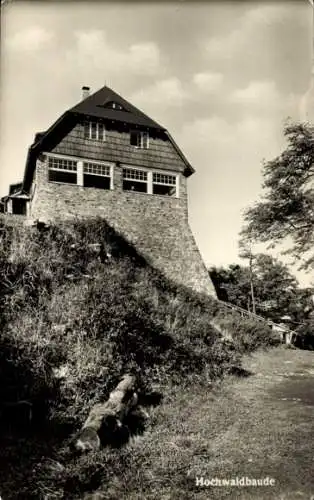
(14, 188)
(98, 105)
(15, 191)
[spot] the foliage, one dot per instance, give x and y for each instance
(275, 288)
(66, 307)
(287, 208)
(249, 334)
(232, 284)
(305, 334)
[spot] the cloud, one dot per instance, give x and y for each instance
(257, 92)
(164, 93)
(255, 20)
(266, 14)
(208, 82)
(237, 147)
(92, 49)
(263, 97)
(30, 39)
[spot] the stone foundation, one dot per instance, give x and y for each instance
(157, 226)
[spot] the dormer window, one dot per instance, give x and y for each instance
(112, 105)
(115, 105)
(95, 131)
(139, 139)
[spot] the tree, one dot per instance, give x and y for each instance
(232, 284)
(275, 289)
(287, 207)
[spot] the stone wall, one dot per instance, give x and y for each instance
(156, 225)
(12, 219)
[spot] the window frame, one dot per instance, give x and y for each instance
(150, 176)
(140, 143)
(88, 125)
(86, 163)
(74, 171)
(81, 162)
(79, 169)
(134, 179)
(169, 184)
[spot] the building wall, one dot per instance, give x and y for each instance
(12, 219)
(156, 225)
(161, 154)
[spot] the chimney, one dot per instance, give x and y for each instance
(85, 92)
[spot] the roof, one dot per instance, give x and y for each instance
(15, 191)
(98, 105)
(14, 188)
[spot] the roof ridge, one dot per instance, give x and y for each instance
(93, 105)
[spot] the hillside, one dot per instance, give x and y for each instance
(79, 307)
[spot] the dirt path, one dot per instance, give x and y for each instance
(269, 431)
(256, 427)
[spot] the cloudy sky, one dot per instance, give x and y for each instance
(222, 77)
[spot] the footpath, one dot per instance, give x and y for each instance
(269, 431)
(222, 442)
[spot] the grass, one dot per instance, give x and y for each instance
(235, 427)
(65, 304)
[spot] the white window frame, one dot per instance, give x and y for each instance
(98, 134)
(101, 164)
(137, 169)
(140, 170)
(160, 183)
(149, 181)
(140, 143)
(73, 170)
(80, 168)
(60, 169)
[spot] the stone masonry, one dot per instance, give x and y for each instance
(156, 225)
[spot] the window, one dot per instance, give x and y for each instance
(62, 170)
(96, 175)
(135, 180)
(112, 105)
(116, 106)
(19, 206)
(164, 184)
(139, 139)
(95, 131)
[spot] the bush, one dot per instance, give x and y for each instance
(305, 335)
(248, 334)
(93, 313)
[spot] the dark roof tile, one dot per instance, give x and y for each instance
(95, 106)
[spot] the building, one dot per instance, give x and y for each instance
(104, 157)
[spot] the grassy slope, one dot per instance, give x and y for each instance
(240, 428)
(63, 304)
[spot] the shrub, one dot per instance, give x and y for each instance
(248, 334)
(305, 335)
(65, 306)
